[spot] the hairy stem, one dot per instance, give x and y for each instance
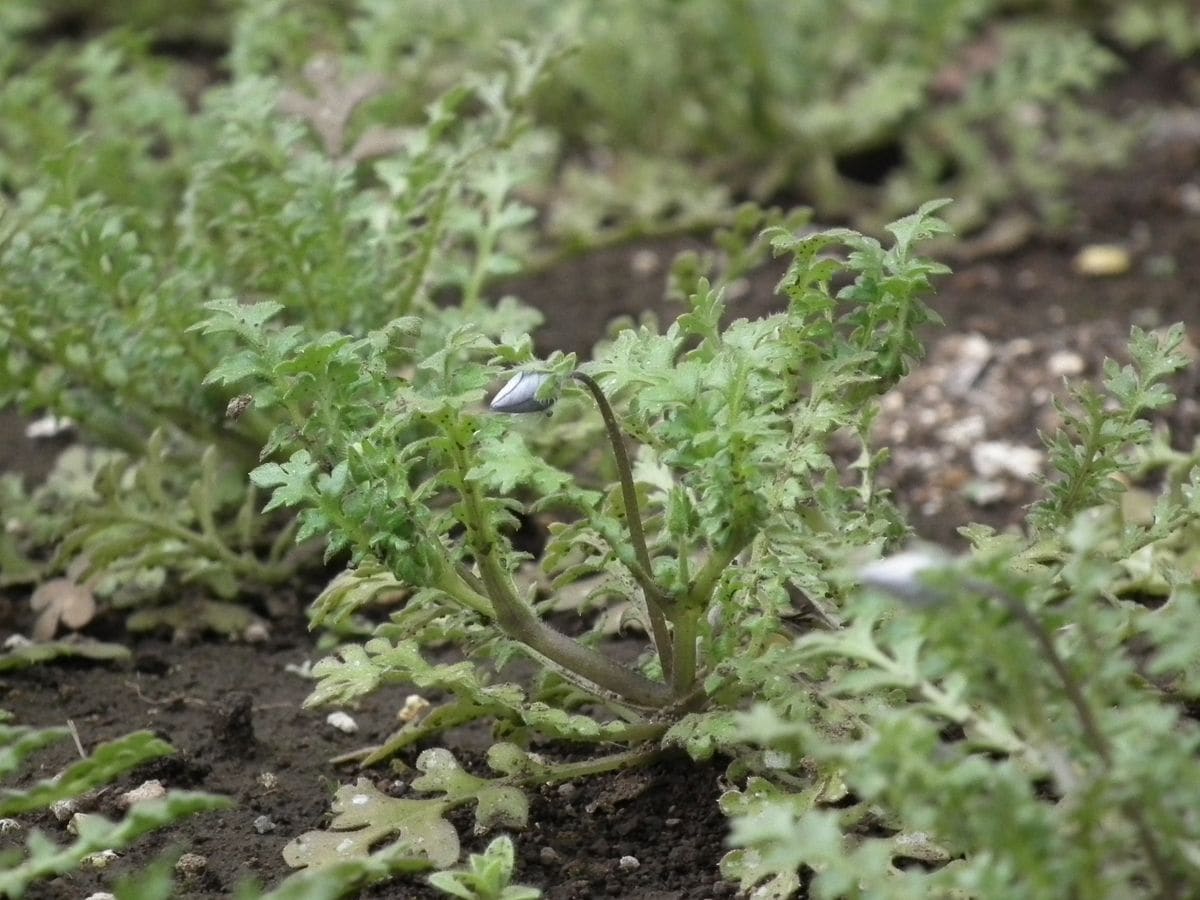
(583, 666)
(699, 595)
(655, 596)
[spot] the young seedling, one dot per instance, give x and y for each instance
(487, 876)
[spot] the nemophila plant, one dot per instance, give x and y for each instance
(1022, 723)
(663, 111)
(301, 192)
(726, 501)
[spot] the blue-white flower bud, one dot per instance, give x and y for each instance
(520, 395)
(903, 576)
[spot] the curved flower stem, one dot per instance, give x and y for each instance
(656, 599)
(581, 665)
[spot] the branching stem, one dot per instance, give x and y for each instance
(583, 666)
(699, 595)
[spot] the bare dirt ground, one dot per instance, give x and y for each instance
(963, 428)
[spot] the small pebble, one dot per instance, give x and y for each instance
(672, 822)
(566, 790)
(9, 826)
(190, 865)
(985, 493)
(1065, 362)
(48, 427)
(628, 863)
(414, 707)
(1189, 197)
(268, 781)
(1102, 261)
(995, 458)
(644, 262)
(256, 633)
(147, 790)
(101, 860)
(264, 825)
(101, 895)
(342, 722)
(549, 856)
(16, 642)
(63, 810)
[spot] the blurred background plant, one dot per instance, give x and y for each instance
(666, 110)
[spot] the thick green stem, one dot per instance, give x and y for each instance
(699, 595)
(581, 665)
(687, 623)
(656, 599)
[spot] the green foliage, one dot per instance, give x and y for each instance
(488, 876)
(1028, 734)
(33, 654)
(364, 818)
(733, 499)
(140, 211)
(44, 858)
(979, 98)
(1090, 452)
(661, 112)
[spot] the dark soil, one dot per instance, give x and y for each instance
(1019, 319)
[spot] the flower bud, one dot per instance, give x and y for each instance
(520, 395)
(903, 576)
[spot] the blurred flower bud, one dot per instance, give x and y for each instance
(904, 575)
(520, 395)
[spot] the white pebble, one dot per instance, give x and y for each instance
(264, 824)
(629, 863)
(256, 633)
(101, 860)
(48, 427)
(9, 826)
(1065, 362)
(147, 790)
(63, 810)
(993, 458)
(342, 722)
